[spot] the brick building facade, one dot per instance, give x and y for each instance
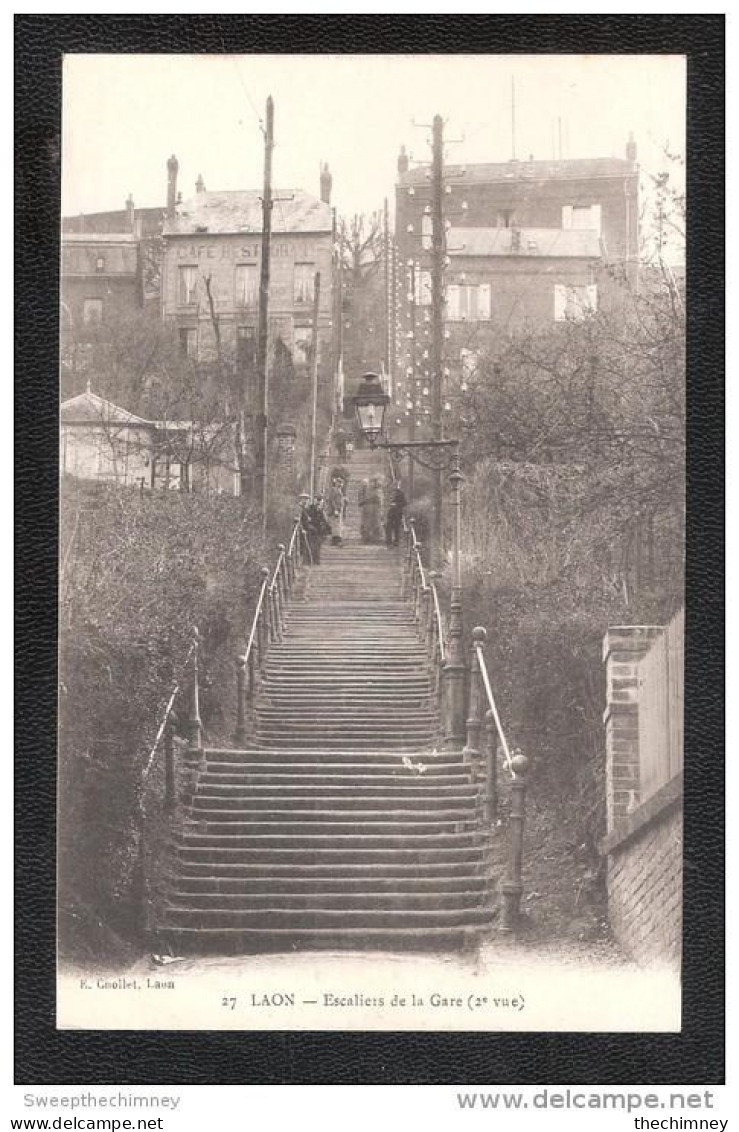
(212, 263)
(528, 244)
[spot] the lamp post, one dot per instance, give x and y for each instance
(370, 403)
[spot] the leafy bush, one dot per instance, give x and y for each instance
(138, 571)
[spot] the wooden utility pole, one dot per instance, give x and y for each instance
(314, 380)
(437, 320)
(262, 336)
(412, 382)
(386, 265)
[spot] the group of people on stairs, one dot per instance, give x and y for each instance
(315, 525)
(371, 507)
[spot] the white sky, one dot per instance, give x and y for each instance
(125, 114)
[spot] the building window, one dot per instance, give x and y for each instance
(92, 311)
(187, 286)
(427, 231)
(100, 263)
(581, 217)
(574, 303)
(468, 303)
(188, 342)
(245, 289)
(303, 290)
(423, 288)
(302, 345)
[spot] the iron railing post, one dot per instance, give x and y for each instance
(240, 732)
(512, 887)
(491, 770)
(170, 792)
(475, 702)
(195, 724)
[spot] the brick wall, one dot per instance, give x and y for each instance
(645, 880)
(643, 845)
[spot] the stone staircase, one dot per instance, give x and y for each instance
(345, 824)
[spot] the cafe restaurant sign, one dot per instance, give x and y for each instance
(242, 248)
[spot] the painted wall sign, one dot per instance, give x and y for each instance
(202, 250)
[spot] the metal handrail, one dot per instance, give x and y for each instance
(278, 567)
(494, 708)
(426, 585)
(268, 622)
(417, 551)
(167, 713)
(255, 621)
(442, 649)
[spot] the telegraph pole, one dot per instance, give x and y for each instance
(314, 381)
(262, 379)
(437, 319)
(412, 398)
(386, 266)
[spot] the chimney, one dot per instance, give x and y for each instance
(130, 212)
(326, 183)
(172, 167)
(200, 184)
(402, 161)
(631, 149)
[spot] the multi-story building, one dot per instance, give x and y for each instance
(527, 244)
(212, 264)
(110, 264)
(101, 273)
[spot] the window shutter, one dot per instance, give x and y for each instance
(483, 301)
(560, 302)
(567, 216)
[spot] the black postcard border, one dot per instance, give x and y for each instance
(46, 1056)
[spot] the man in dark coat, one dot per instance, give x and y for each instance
(316, 527)
(394, 521)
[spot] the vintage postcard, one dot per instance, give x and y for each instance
(371, 602)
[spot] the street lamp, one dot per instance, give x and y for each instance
(370, 402)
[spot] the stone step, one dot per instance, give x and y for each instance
(331, 840)
(228, 870)
(311, 919)
(337, 797)
(314, 886)
(340, 715)
(336, 857)
(324, 825)
(258, 756)
(318, 743)
(353, 776)
(367, 695)
(254, 941)
(330, 901)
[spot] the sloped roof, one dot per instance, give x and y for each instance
(99, 238)
(148, 221)
(88, 408)
(559, 242)
(506, 171)
(241, 211)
